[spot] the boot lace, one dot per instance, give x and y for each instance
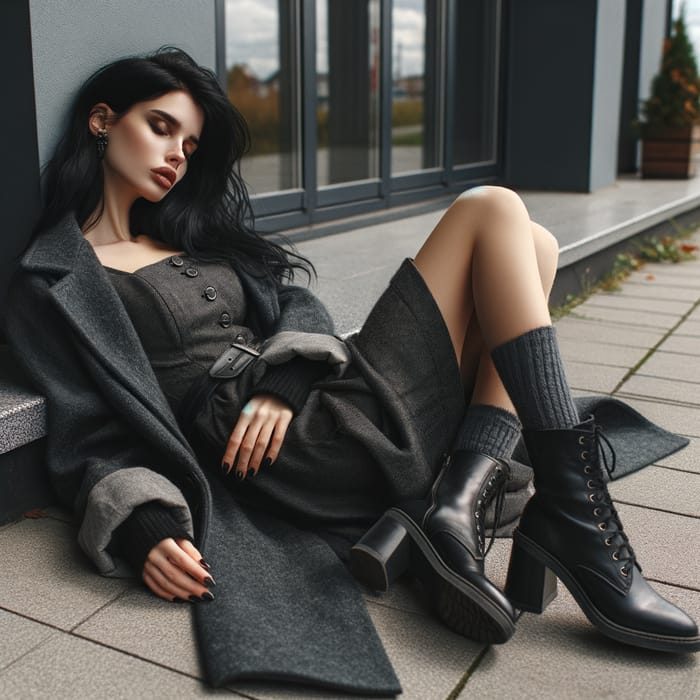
(495, 488)
(607, 518)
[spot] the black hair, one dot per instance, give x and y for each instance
(208, 214)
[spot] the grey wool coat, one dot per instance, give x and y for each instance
(114, 443)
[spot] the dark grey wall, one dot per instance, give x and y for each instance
(20, 173)
(565, 77)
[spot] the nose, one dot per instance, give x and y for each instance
(176, 156)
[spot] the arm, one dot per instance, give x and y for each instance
(96, 463)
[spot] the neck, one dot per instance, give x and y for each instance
(113, 225)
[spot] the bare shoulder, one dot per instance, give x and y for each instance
(132, 255)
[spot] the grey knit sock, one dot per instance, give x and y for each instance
(532, 372)
(489, 430)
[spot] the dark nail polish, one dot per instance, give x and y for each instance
(239, 476)
(177, 600)
(207, 596)
(194, 598)
(204, 564)
(209, 582)
(225, 467)
(251, 472)
(267, 462)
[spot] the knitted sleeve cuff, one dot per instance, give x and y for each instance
(291, 381)
(147, 525)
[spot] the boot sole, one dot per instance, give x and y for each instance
(647, 640)
(458, 602)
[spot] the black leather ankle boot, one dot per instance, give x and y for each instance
(442, 541)
(570, 530)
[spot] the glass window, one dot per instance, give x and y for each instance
(476, 81)
(416, 134)
(262, 79)
(347, 86)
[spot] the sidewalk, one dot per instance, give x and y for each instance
(66, 632)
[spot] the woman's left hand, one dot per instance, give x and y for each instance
(258, 434)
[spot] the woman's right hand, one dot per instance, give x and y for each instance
(173, 571)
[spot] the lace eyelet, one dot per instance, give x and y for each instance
(476, 515)
(596, 512)
(584, 455)
(608, 541)
(624, 572)
(591, 497)
(616, 556)
(590, 484)
(602, 527)
(581, 440)
(588, 469)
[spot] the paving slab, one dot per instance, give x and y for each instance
(559, 654)
(652, 289)
(666, 365)
(66, 666)
(625, 317)
(19, 636)
(601, 379)
(695, 314)
(667, 389)
(684, 420)
(665, 276)
(609, 333)
(593, 352)
(690, 328)
(681, 344)
(42, 557)
(664, 544)
(661, 488)
(687, 459)
(619, 300)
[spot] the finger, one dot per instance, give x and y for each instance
(234, 442)
(153, 585)
(173, 581)
(171, 552)
(261, 446)
(248, 444)
(189, 549)
(278, 436)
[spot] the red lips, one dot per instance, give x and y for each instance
(165, 176)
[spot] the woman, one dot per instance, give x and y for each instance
(152, 295)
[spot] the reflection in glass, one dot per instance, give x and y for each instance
(262, 82)
(415, 121)
(476, 79)
(347, 84)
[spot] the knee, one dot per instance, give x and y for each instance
(495, 200)
(546, 246)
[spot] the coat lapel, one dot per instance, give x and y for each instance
(83, 293)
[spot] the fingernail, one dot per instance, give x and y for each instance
(207, 596)
(177, 600)
(239, 476)
(204, 564)
(225, 467)
(194, 598)
(267, 462)
(251, 472)
(209, 582)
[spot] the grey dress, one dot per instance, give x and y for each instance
(359, 442)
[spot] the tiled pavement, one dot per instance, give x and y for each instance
(66, 632)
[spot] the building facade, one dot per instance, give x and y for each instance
(361, 106)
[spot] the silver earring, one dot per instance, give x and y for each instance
(101, 143)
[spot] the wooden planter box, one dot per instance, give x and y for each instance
(670, 152)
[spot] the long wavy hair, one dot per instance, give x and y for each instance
(208, 214)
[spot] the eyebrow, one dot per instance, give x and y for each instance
(171, 120)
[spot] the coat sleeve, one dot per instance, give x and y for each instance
(98, 467)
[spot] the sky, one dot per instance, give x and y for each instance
(692, 20)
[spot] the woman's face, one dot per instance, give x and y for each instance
(150, 144)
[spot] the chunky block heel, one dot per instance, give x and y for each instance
(530, 585)
(382, 555)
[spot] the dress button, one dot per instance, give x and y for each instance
(176, 261)
(210, 293)
(240, 338)
(191, 272)
(225, 320)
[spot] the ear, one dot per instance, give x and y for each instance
(100, 115)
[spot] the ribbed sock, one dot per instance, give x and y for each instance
(532, 372)
(489, 430)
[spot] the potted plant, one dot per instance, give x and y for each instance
(671, 127)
